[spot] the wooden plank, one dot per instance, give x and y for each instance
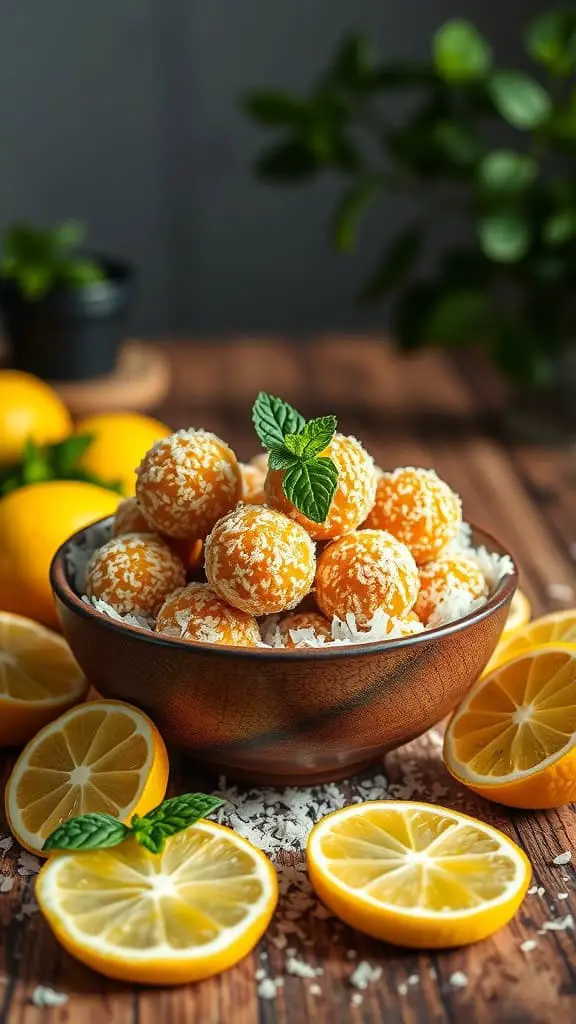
(421, 412)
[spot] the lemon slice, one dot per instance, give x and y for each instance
(519, 614)
(185, 914)
(101, 756)
(39, 678)
(513, 737)
(558, 627)
(415, 874)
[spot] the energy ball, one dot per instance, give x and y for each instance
(260, 462)
(252, 484)
(445, 578)
(418, 508)
(134, 573)
(314, 621)
(353, 498)
(259, 560)
(365, 571)
(196, 613)
(187, 482)
(129, 519)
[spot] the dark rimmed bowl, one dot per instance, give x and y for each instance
(278, 716)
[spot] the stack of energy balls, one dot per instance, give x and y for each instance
(209, 547)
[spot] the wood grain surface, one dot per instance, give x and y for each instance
(425, 412)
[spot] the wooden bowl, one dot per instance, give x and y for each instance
(284, 716)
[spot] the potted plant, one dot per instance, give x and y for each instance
(64, 310)
(513, 287)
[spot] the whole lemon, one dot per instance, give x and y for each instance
(34, 522)
(121, 440)
(29, 408)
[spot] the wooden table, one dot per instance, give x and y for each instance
(426, 412)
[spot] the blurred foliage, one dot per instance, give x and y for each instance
(514, 289)
(60, 461)
(39, 261)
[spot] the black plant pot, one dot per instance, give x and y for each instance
(71, 334)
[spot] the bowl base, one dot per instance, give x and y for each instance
(306, 777)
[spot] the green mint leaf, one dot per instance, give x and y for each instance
(295, 443)
(67, 453)
(281, 458)
(273, 419)
(87, 832)
(310, 486)
(171, 817)
(318, 433)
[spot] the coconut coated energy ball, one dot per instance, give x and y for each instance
(304, 620)
(353, 498)
(129, 519)
(418, 508)
(366, 571)
(252, 484)
(259, 560)
(444, 578)
(134, 573)
(188, 481)
(196, 613)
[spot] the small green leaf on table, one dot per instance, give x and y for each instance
(461, 54)
(87, 832)
(172, 816)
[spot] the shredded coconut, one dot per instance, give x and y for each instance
(561, 924)
(300, 969)
(458, 979)
(356, 999)
(560, 592)
(43, 995)
(6, 883)
(6, 843)
(27, 909)
(28, 864)
(562, 895)
(364, 974)
(563, 858)
(402, 988)
(528, 945)
(267, 989)
(315, 990)
(532, 890)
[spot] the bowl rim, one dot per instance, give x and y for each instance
(63, 591)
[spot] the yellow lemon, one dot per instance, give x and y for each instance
(520, 613)
(34, 521)
(29, 408)
(161, 919)
(39, 678)
(513, 737)
(558, 627)
(121, 440)
(416, 874)
(102, 756)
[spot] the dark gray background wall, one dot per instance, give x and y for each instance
(124, 113)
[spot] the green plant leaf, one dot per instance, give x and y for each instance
(520, 99)
(80, 272)
(295, 444)
(458, 142)
(318, 434)
(87, 832)
(461, 54)
(69, 234)
(273, 108)
(67, 453)
(310, 486)
(281, 458)
(505, 237)
(560, 228)
(354, 64)
(351, 208)
(290, 161)
(35, 281)
(273, 419)
(551, 40)
(458, 317)
(505, 172)
(397, 261)
(172, 816)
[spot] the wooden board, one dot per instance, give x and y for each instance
(426, 412)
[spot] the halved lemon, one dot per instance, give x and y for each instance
(513, 737)
(165, 919)
(39, 678)
(558, 627)
(415, 874)
(102, 756)
(519, 614)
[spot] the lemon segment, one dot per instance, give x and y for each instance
(415, 874)
(185, 914)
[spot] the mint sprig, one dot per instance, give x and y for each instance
(295, 446)
(98, 831)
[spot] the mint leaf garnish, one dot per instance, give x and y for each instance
(97, 831)
(294, 445)
(273, 419)
(310, 486)
(87, 832)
